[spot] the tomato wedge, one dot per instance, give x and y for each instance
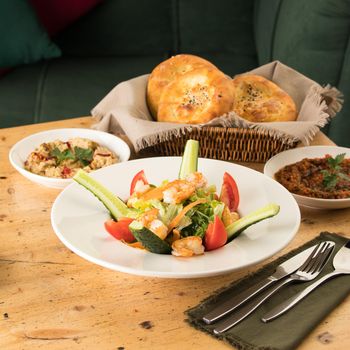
(216, 235)
(140, 176)
(229, 192)
(120, 229)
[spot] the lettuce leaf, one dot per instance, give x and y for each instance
(200, 216)
(170, 212)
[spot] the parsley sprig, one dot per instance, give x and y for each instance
(84, 155)
(61, 156)
(332, 176)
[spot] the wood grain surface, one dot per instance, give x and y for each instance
(52, 299)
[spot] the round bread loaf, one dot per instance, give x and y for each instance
(166, 72)
(258, 99)
(196, 97)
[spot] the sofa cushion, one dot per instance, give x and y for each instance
(313, 38)
(304, 35)
(22, 39)
(317, 44)
(339, 129)
(231, 63)
(18, 91)
(64, 88)
(123, 27)
(265, 18)
(218, 27)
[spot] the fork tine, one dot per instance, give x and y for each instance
(307, 261)
(323, 258)
(311, 268)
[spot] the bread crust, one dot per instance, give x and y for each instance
(258, 99)
(196, 97)
(166, 72)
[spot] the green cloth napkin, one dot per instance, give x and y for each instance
(287, 331)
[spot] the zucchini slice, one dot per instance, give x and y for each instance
(114, 205)
(189, 162)
(148, 239)
(256, 216)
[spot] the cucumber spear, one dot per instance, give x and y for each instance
(254, 217)
(189, 162)
(114, 205)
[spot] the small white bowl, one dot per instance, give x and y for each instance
(295, 155)
(20, 151)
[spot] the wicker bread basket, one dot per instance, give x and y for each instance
(234, 144)
(231, 138)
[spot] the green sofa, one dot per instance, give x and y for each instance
(120, 39)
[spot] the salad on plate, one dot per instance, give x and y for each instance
(184, 217)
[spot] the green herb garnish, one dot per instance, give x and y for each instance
(334, 163)
(61, 156)
(84, 155)
(200, 216)
(332, 176)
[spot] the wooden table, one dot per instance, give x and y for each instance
(51, 298)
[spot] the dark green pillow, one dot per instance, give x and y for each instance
(22, 39)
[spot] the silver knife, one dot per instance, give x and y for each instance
(283, 270)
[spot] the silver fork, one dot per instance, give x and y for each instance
(307, 272)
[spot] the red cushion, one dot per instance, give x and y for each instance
(56, 15)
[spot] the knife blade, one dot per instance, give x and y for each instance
(221, 309)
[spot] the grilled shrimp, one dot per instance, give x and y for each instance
(141, 187)
(188, 246)
(197, 179)
(150, 220)
(157, 227)
(177, 191)
(148, 216)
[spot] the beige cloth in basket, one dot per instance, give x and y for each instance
(125, 109)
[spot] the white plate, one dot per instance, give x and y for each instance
(295, 155)
(20, 151)
(77, 218)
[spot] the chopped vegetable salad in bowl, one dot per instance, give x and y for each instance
(184, 217)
